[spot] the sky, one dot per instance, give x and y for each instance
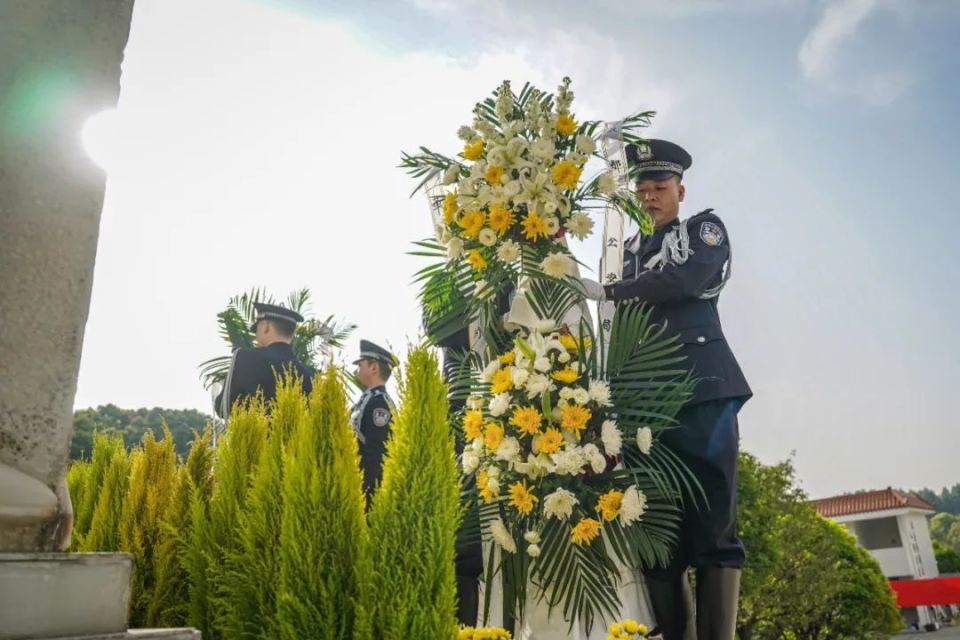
(256, 143)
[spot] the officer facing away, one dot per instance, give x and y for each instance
(371, 415)
(680, 271)
(257, 369)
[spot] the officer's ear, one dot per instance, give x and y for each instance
(681, 190)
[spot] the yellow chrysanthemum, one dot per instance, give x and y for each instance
(494, 174)
(501, 218)
(493, 435)
(608, 506)
(550, 441)
(565, 174)
(585, 531)
(575, 418)
(527, 420)
(534, 226)
(501, 381)
(476, 259)
(521, 498)
(615, 629)
(483, 486)
(567, 375)
(473, 150)
(473, 424)
(566, 125)
(632, 626)
(571, 343)
(507, 358)
(450, 207)
(472, 222)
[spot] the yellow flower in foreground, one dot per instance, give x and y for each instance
(534, 226)
(585, 532)
(608, 506)
(566, 124)
(571, 343)
(473, 425)
(527, 420)
(565, 174)
(521, 498)
(632, 626)
(472, 222)
(501, 381)
(494, 174)
(483, 486)
(507, 358)
(450, 207)
(476, 260)
(567, 374)
(575, 418)
(550, 441)
(473, 150)
(493, 436)
(501, 218)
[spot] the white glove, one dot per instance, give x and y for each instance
(594, 290)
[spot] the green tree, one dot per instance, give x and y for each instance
(132, 424)
(945, 530)
(948, 560)
(415, 513)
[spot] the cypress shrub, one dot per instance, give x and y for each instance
(107, 509)
(214, 533)
(78, 479)
(323, 537)
(252, 570)
(415, 514)
(85, 499)
(169, 605)
(152, 485)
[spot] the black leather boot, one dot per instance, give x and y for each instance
(718, 594)
(670, 600)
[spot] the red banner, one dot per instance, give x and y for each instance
(927, 591)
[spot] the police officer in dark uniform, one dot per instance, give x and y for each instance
(680, 270)
(373, 412)
(257, 369)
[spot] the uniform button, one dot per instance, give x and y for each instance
(701, 339)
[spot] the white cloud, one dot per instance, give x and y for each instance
(839, 22)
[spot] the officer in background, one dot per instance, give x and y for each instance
(257, 369)
(373, 412)
(680, 271)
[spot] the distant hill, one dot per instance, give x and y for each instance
(947, 501)
(132, 424)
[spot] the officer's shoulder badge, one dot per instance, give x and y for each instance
(711, 233)
(381, 416)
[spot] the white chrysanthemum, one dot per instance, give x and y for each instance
(557, 265)
(545, 326)
(519, 376)
(549, 207)
(489, 370)
(600, 392)
(581, 395)
(633, 505)
(475, 402)
(644, 439)
(512, 188)
(466, 134)
(537, 384)
(569, 461)
(470, 462)
(508, 251)
(586, 144)
(508, 450)
(612, 439)
(559, 504)
(597, 462)
(606, 184)
(487, 237)
(563, 358)
(499, 404)
(454, 248)
(532, 537)
(578, 159)
(553, 224)
(533, 550)
(477, 446)
(542, 364)
(502, 537)
(451, 174)
(543, 149)
(493, 471)
(580, 225)
(567, 393)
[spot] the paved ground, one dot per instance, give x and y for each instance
(942, 634)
